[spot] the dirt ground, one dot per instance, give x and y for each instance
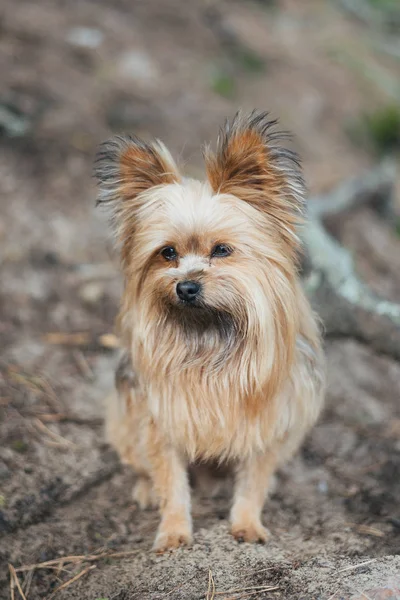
(73, 72)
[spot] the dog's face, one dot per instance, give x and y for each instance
(198, 256)
(219, 254)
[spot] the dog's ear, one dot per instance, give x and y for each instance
(250, 164)
(125, 168)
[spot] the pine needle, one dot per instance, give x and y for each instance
(211, 586)
(14, 580)
(72, 580)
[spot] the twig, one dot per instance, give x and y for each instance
(108, 340)
(27, 583)
(83, 338)
(368, 530)
(243, 595)
(261, 588)
(59, 568)
(54, 436)
(50, 564)
(75, 559)
(51, 397)
(83, 364)
(70, 581)
(12, 584)
(67, 339)
(256, 571)
(36, 384)
(364, 594)
(352, 567)
(14, 577)
(211, 586)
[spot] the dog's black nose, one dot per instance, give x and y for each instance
(188, 290)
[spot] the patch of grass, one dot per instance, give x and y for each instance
(3, 501)
(383, 127)
(379, 129)
(389, 11)
(19, 446)
(250, 61)
(268, 5)
(384, 4)
(397, 227)
(223, 84)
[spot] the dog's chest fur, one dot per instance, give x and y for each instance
(220, 416)
(207, 418)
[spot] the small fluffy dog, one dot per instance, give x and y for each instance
(223, 361)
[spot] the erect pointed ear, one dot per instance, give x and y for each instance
(250, 164)
(125, 168)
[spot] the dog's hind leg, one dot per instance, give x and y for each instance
(127, 424)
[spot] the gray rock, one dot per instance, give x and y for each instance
(4, 471)
(85, 37)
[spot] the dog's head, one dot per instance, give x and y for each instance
(218, 255)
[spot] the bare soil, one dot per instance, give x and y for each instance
(157, 71)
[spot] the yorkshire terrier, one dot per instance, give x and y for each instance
(222, 353)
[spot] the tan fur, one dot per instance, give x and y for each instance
(239, 378)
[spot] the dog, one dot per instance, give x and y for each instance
(222, 361)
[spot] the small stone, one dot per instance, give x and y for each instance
(322, 486)
(91, 292)
(85, 37)
(4, 471)
(137, 65)
(13, 123)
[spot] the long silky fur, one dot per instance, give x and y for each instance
(247, 373)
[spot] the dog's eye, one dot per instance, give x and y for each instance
(221, 250)
(169, 253)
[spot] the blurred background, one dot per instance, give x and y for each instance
(72, 74)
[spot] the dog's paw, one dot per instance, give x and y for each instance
(250, 532)
(143, 494)
(170, 540)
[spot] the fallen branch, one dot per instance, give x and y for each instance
(374, 188)
(84, 338)
(346, 305)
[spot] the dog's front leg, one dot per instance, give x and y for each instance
(171, 485)
(253, 479)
